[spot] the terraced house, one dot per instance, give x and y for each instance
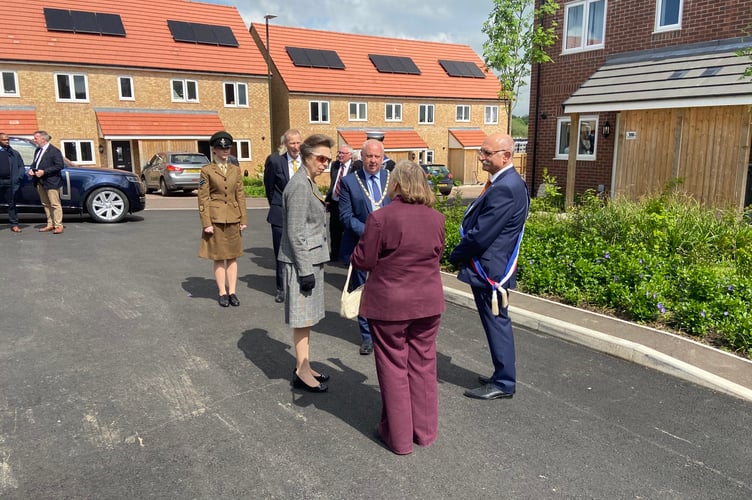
(115, 82)
(434, 102)
(646, 92)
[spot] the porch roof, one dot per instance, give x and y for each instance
(18, 121)
(394, 140)
(694, 75)
(136, 124)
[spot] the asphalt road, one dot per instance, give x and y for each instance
(123, 378)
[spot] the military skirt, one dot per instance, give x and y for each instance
(303, 309)
(225, 243)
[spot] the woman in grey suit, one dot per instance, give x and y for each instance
(304, 249)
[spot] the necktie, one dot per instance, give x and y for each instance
(338, 181)
(37, 153)
(376, 188)
(295, 165)
(486, 186)
(223, 168)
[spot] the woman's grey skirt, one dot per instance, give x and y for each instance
(302, 310)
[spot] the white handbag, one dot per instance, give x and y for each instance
(350, 303)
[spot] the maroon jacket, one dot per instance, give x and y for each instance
(401, 247)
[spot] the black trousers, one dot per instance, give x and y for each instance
(8, 197)
(276, 239)
(335, 230)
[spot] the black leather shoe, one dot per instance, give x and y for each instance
(366, 348)
(280, 297)
(234, 300)
(224, 300)
(484, 380)
(299, 384)
(321, 377)
(488, 391)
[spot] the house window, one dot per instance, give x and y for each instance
(71, 87)
(491, 115)
(9, 84)
(242, 150)
(585, 141)
(584, 25)
(668, 14)
(427, 156)
(125, 88)
(393, 112)
(425, 113)
(79, 151)
(184, 90)
(319, 111)
(357, 111)
(236, 95)
(463, 113)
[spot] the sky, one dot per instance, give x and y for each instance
(450, 21)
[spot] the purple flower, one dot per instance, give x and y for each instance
(702, 313)
(607, 255)
(641, 276)
(661, 308)
(642, 261)
(725, 313)
(730, 288)
(655, 296)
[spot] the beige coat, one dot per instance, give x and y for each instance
(221, 198)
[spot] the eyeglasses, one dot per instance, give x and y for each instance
(343, 152)
(484, 153)
(323, 159)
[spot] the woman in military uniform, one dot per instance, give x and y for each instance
(221, 206)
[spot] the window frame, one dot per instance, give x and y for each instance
(3, 91)
(495, 112)
(359, 107)
(71, 77)
(584, 27)
(322, 111)
(559, 152)
(461, 109)
(238, 148)
(667, 27)
(394, 107)
(77, 143)
(236, 88)
(122, 97)
(186, 91)
(423, 109)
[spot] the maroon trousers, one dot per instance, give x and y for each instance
(405, 353)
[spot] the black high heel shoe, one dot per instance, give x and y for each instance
(299, 384)
(321, 377)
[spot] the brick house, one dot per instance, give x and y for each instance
(115, 82)
(655, 90)
(433, 101)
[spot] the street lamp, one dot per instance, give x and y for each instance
(269, 79)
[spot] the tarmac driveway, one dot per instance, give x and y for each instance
(123, 378)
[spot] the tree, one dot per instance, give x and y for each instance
(517, 39)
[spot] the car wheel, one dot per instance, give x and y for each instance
(146, 186)
(107, 204)
(163, 188)
(446, 191)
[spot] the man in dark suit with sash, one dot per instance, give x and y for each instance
(487, 258)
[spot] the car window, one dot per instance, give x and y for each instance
(25, 147)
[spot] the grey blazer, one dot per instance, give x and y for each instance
(304, 234)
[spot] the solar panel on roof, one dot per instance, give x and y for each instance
(110, 24)
(58, 19)
(209, 34)
(394, 64)
(80, 21)
(314, 58)
(464, 69)
(225, 36)
(85, 22)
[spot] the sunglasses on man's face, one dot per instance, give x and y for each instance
(323, 159)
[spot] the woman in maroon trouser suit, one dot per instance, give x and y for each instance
(403, 300)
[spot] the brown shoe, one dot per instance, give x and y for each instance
(16, 229)
(45, 229)
(58, 230)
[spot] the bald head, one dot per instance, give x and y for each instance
(496, 152)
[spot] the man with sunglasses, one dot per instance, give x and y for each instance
(486, 256)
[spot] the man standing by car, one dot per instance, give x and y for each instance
(11, 174)
(278, 169)
(45, 169)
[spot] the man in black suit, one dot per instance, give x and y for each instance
(45, 169)
(11, 175)
(278, 169)
(339, 168)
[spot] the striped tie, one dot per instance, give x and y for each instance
(486, 186)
